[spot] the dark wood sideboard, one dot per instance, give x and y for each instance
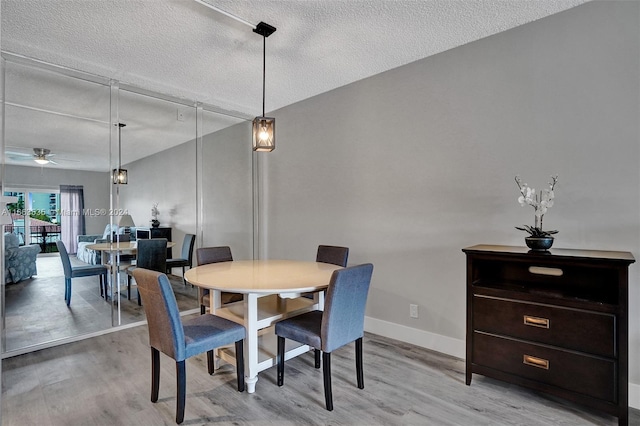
(554, 321)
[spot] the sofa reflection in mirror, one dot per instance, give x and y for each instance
(19, 261)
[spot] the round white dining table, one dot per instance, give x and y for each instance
(271, 290)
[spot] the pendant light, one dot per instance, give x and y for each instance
(264, 128)
(120, 174)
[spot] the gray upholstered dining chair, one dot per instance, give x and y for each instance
(182, 339)
(71, 272)
(341, 322)
(150, 254)
(186, 255)
(335, 255)
(204, 256)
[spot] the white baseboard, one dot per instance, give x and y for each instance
(447, 345)
(634, 396)
(424, 339)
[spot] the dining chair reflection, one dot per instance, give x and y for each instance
(150, 254)
(71, 272)
(186, 256)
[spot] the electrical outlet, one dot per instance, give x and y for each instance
(413, 311)
(180, 116)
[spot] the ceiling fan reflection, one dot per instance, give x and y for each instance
(41, 156)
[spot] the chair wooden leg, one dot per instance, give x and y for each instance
(210, 364)
(326, 374)
(101, 287)
(316, 355)
(240, 364)
(155, 374)
(128, 287)
(359, 370)
(183, 280)
(182, 390)
(67, 282)
(280, 360)
(105, 286)
(202, 309)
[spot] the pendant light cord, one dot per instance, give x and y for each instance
(119, 147)
(264, 69)
(120, 126)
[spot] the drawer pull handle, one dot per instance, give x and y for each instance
(535, 362)
(536, 322)
(543, 270)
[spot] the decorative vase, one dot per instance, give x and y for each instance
(155, 223)
(539, 243)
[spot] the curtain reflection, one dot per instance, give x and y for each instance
(71, 215)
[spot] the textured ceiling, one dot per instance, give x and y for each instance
(182, 48)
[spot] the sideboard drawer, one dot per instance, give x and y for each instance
(576, 329)
(588, 375)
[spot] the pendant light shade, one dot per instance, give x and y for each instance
(264, 134)
(264, 128)
(119, 175)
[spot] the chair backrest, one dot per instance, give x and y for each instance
(343, 317)
(123, 238)
(64, 256)
(187, 248)
(142, 234)
(152, 254)
(163, 316)
(206, 255)
(333, 254)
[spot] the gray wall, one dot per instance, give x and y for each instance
(169, 179)
(96, 187)
(410, 166)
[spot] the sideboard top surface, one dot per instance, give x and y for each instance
(622, 256)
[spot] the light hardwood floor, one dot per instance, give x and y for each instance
(106, 381)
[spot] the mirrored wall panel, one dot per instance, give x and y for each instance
(57, 170)
(227, 190)
(158, 152)
(188, 173)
